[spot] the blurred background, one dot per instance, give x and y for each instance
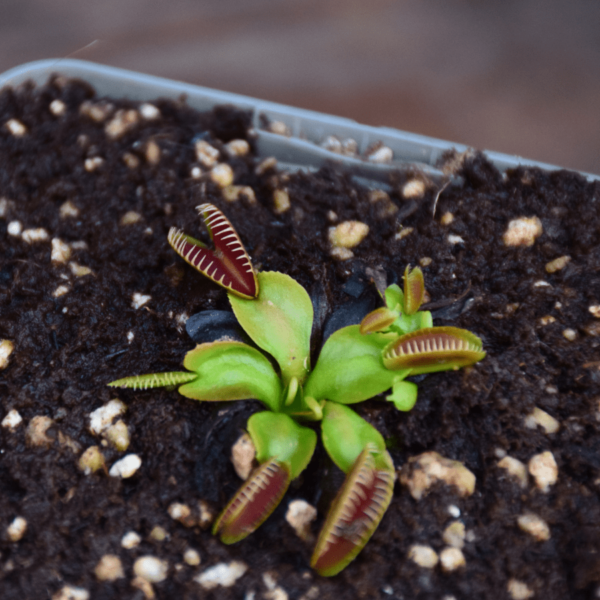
(517, 76)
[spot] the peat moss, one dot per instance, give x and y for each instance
(68, 347)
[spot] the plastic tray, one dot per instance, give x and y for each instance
(300, 150)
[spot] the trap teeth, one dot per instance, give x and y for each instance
(433, 349)
(229, 265)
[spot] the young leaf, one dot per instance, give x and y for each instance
(414, 290)
(404, 395)
(279, 321)
(378, 320)
(254, 501)
(276, 435)
(350, 368)
(231, 371)
(346, 435)
(154, 380)
(229, 264)
(394, 297)
(425, 319)
(433, 349)
(356, 512)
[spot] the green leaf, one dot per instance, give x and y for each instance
(404, 395)
(425, 319)
(278, 436)
(231, 371)
(279, 321)
(350, 368)
(394, 297)
(346, 435)
(154, 380)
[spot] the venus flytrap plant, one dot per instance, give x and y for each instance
(355, 364)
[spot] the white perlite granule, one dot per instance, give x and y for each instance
(118, 436)
(341, 253)
(79, 270)
(14, 228)
(35, 435)
(206, 154)
(454, 534)
(6, 349)
(57, 107)
(280, 128)
(126, 467)
(182, 513)
(281, 201)
(534, 526)
(243, 453)
(69, 592)
(544, 470)
(130, 218)
(414, 188)
(68, 209)
(130, 540)
(101, 418)
(151, 569)
(61, 251)
(542, 419)
(61, 290)
(16, 530)
(383, 154)
(138, 300)
(424, 556)
(12, 419)
(455, 239)
(92, 164)
(15, 127)
(423, 471)
(515, 468)
(123, 121)
(523, 231)
(557, 264)
(237, 148)
(109, 568)
(35, 235)
(223, 574)
(149, 111)
(452, 559)
(91, 460)
(300, 514)
(348, 234)
(222, 175)
(191, 557)
(519, 590)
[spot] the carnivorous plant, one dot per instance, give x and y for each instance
(356, 363)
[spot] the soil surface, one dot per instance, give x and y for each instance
(76, 329)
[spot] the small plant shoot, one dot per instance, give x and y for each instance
(413, 345)
(355, 364)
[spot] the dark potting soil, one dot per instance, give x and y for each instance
(541, 338)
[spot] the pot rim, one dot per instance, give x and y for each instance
(308, 128)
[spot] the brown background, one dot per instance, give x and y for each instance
(518, 76)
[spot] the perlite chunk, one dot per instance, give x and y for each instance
(423, 471)
(6, 349)
(348, 234)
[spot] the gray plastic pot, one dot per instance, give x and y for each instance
(301, 150)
